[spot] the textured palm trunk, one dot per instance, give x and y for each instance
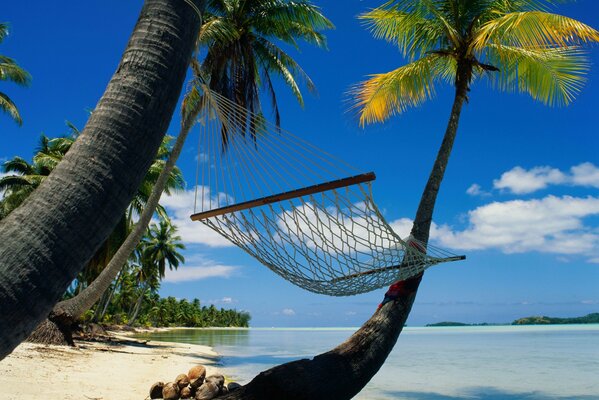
(47, 240)
(424, 213)
(344, 371)
(65, 313)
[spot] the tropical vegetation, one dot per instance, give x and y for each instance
(11, 71)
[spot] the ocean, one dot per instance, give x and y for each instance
(431, 363)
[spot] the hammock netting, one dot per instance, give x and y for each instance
(301, 212)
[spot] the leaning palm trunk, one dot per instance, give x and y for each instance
(342, 372)
(47, 240)
(65, 314)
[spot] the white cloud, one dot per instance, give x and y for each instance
(521, 181)
(476, 190)
(197, 269)
(180, 206)
(288, 311)
(550, 225)
(585, 174)
(224, 300)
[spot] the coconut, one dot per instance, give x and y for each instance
(185, 393)
(219, 380)
(207, 391)
(199, 371)
(170, 391)
(196, 383)
(182, 380)
(156, 390)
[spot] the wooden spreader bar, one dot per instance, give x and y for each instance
(292, 194)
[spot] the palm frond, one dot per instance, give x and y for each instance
(391, 93)
(553, 76)
(534, 29)
(412, 33)
(290, 20)
(10, 71)
(276, 60)
(219, 31)
(17, 165)
(3, 31)
(9, 107)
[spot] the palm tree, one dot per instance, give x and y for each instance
(82, 200)
(10, 71)
(517, 44)
(161, 247)
(157, 250)
(242, 52)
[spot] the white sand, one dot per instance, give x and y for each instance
(97, 371)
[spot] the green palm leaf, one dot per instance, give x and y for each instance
(7, 105)
(391, 93)
(553, 76)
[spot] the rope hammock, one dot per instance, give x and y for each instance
(301, 212)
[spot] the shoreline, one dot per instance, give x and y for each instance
(123, 369)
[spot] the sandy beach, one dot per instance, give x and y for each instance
(98, 371)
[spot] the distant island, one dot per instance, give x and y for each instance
(534, 320)
(543, 320)
(451, 323)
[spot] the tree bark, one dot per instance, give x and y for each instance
(47, 240)
(424, 214)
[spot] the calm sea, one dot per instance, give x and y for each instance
(496, 362)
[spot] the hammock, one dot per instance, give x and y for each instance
(301, 212)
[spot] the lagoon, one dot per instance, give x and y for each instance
(431, 363)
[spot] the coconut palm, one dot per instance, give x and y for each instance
(82, 200)
(242, 52)
(161, 246)
(10, 71)
(157, 250)
(517, 44)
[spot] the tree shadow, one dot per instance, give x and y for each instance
(483, 393)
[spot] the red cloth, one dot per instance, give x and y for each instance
(401, 289)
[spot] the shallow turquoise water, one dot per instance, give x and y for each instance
(497, 362)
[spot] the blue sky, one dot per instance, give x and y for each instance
(520, 197)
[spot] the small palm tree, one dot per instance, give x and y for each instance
(160, 248)
(10, 71)
(517, 44)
